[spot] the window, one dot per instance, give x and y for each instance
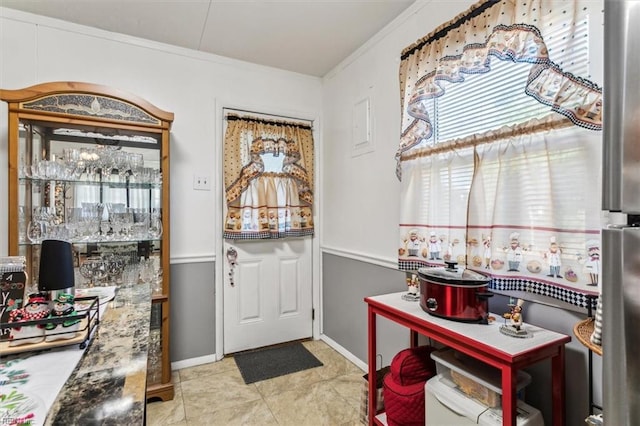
(498, 149)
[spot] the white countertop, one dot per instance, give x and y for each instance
(482, 333)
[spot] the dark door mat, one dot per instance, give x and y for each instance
(267, 363)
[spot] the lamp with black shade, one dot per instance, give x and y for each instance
(56, 268)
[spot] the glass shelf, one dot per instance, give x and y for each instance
(99, 183)
(105, 241)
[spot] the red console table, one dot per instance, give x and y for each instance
(483, 342)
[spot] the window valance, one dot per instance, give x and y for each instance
(507, 31)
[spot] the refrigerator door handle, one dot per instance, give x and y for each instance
(621, 107)
(612, 108)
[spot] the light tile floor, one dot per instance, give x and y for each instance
(215, 394)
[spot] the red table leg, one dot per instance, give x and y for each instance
(372, 365)
(558, 387)
(509, 400)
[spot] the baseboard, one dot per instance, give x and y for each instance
(345, 353)
(192, 362)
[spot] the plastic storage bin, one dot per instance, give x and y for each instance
(476, 379)
(447, 405)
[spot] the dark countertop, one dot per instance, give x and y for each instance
(108, 386)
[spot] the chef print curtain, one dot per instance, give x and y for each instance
(500, 149)
(268, 178)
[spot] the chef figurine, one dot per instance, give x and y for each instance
(435, 247)
(592, 264)
(62, 306)
(553, 257)
(514, 253)
(486, 243)
(413, 284)
(414, 243)
(514, 328)
(515, 316)
(37, 308)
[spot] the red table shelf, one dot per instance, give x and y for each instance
(482, 342)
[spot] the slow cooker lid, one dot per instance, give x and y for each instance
(452, 274)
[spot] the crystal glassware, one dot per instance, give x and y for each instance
(155, 224)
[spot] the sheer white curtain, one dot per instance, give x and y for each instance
(498, 157)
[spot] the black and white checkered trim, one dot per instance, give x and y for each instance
(573, 297)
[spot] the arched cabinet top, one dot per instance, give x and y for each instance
(86, 100)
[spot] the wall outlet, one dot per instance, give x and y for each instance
(202, 182)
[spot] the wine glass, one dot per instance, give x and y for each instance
(73, 220)
(35, 233)
(155, 224)
(36, 229)
(86, 270)
(122, 163)
(146, 270)
(136, 161)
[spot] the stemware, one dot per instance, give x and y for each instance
(73, 161)
(155, 224)
(41, 218)
(72, 222)
(147, 271)
(157, 281)
(122, 163)
(106, 161)
(22, 224)
(86, 270)
(91, 216)
(140, 223)
(35, 233)
(136, 162)
(115, 266)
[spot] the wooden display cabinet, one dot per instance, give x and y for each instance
(90, 164)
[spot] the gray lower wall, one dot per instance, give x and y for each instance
(347, 282)
(192, 308)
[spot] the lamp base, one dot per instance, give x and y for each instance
(53, 294)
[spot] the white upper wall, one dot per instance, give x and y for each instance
(192, 85)
(359, 195)
(360, 198)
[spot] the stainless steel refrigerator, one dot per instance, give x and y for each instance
(621, 194)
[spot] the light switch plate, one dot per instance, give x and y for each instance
(202, 182)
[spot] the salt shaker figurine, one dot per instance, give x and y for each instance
(516, 315)
(412, 294)
(412, 285)
(36, 308)
(62, 306)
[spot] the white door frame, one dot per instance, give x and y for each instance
(218, 185)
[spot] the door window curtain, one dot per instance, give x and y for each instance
(500, 149)
(274, 201)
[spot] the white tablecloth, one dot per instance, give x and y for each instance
(30, 383)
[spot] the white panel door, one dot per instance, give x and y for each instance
(267, 293)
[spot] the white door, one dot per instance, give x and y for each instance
(267, 293)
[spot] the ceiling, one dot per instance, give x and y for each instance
(305, 36)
